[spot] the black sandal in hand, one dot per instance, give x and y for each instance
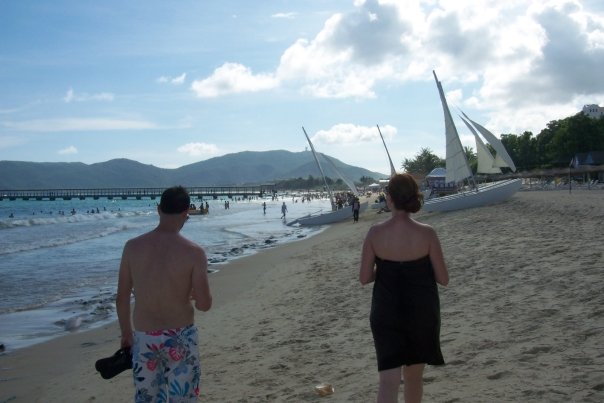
(117, 363)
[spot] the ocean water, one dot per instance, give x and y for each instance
(58, 270)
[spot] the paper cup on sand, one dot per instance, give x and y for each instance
(324, 389)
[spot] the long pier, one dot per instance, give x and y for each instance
(199, 192)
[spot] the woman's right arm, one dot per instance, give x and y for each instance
(438, 261)
(367, 271)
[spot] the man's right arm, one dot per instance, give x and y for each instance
(200, 284)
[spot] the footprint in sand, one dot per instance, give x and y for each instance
(498, 375)
(538, 349)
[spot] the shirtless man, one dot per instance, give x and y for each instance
(165, 272)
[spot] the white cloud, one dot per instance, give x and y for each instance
(68, 150)
(78, 124)
(232, 78)
(528, 62)
(348, 56)
(179, 80)
(454, 97)
(345, 59)
(348, 133)
(71, 96)
(198, 149)
(287, 16)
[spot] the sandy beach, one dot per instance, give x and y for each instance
(522, 317)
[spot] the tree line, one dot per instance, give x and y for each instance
(310, 183)
(316, 184)
(554, 146)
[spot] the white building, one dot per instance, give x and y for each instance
(593, 111)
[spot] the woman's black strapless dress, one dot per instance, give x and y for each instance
(405, 314)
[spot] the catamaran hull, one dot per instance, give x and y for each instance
(491, 193)
(331, 217)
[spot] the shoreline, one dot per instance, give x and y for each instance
(92, 305)
(521, 318)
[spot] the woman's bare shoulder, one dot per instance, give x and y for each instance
(425, 226)
(425, 229)
(379, 227)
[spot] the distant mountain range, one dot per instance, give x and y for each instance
(243, 168)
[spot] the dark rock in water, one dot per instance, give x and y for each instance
(2, 348)
(217, 260)
(270, 241)
(236, 251)
(301, 236)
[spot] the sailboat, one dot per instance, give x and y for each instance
(334, 215)
(458, 169)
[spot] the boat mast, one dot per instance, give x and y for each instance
(392, 170)
(333, 204)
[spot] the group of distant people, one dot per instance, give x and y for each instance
(62, 212)
(402, 257)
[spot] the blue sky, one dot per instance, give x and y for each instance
(173, 83)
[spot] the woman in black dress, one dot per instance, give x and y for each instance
(405, 260)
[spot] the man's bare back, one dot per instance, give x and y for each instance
(162, 266)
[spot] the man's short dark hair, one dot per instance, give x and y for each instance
(174, 200)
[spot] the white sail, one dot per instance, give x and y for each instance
(502, 154)
(498, 162)
(485, 158)
(347, 181)
(458, 168)
(333, 203)
(392, 170)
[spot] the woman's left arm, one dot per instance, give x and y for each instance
(438, 260)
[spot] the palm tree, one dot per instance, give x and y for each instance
(472, 158)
